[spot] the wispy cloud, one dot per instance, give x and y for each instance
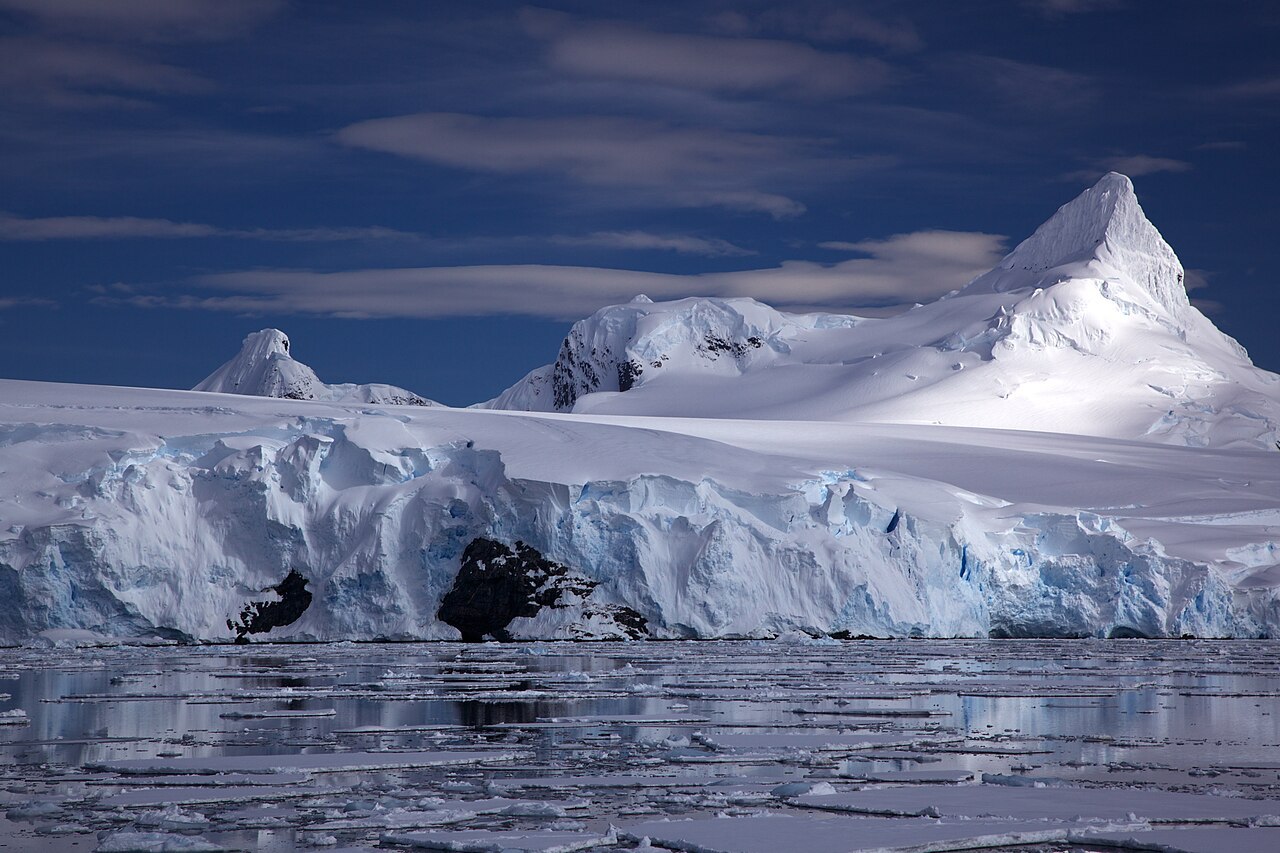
(71, 74)
(1027, 85)
(1143, 164)
(7, 302)
(1133, 165)
(17, 228)
(831, 23)
(1257, 88)
(161, 20)
(900, 269)
(717, 64)
(1061, 8)
(685, 244)
(674, 165)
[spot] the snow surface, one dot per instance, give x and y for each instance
(1084, 328)
(264, 367)
(1064, 448)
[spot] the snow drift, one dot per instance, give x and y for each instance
(1065, 447)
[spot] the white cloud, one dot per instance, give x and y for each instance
(711, 63)
(17, 228)
(673, 165)
(900, 269)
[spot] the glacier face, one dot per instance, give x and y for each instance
(1065, 447)
(134, 512)
(264, 367)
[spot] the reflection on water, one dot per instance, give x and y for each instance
(1185, 715)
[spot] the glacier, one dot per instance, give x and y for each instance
(1065, 447)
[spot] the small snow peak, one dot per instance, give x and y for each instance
(1114, 182)
(1106, 226)
(640, 297)
(265, 342)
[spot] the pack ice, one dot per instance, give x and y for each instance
(1065, 447)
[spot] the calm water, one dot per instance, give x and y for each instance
(565, 740)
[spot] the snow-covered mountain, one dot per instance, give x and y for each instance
(265, 368)
(1065, 447)
(1084, 328)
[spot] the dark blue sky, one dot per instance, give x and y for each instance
(427, 194)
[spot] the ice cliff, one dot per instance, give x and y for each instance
(1065, 447)
(264, 367)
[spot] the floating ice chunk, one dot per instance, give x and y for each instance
(480, 841)
(936, 777)
(1069, 804)
(320, 762)
(157, 842)
(773, 833)
(14, 717)
(796, 789)
(1216, 840)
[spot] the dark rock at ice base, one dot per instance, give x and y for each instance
(259, 617)
(497, 584)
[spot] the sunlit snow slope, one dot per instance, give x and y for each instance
(861, 485)
(1084, 328)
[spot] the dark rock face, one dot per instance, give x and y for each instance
(577, 371)
(628, 372)
(497, 584)
(258, 617)
(713, 345)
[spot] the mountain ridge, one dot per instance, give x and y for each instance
(1085, 326)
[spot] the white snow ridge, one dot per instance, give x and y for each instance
(1065, 447)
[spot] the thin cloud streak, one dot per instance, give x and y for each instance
(75, 75)
(1026, 85)
(684, 244)
(831, 24)
(1133, 165)
(676, 165)
(1062, 8)
(16, 229)
(151, 20)
(710, 63)
(900, 269)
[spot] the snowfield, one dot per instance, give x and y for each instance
(1066, 447)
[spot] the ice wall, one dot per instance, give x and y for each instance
(126, 533)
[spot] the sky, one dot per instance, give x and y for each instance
(429, 194)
